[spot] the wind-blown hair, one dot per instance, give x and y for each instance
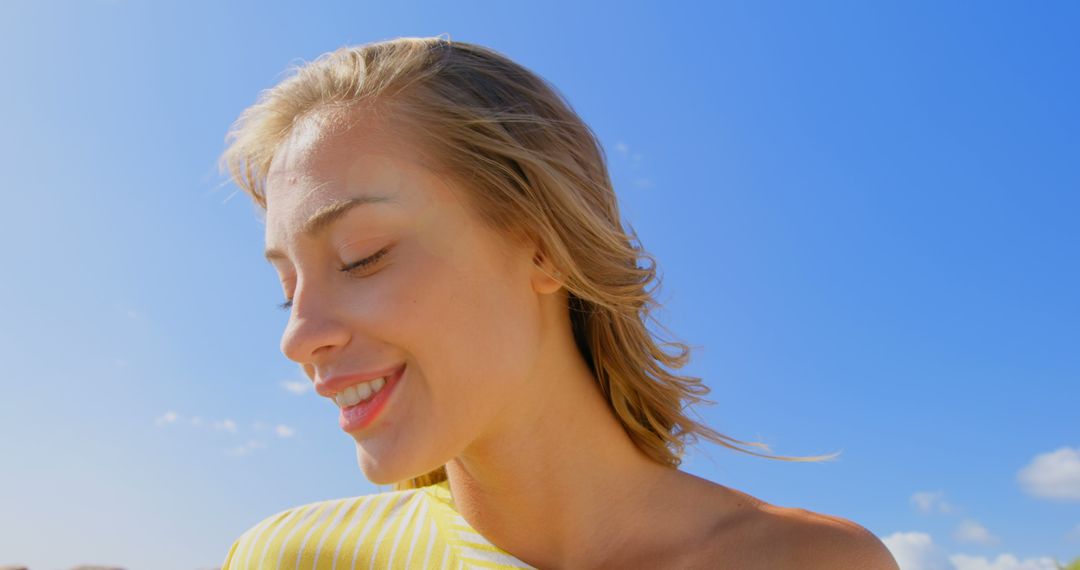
(533, 170)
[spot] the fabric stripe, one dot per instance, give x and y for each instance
(418, 534)
(376, 519)
(373, 505)
(335, 527)
(304, 554)
(486, 559)
(228, 564)
(243, 553)
(254, 540)
(413, 528)
(406, 527)
(240, 547)
(271, 541)
(305, 521)
(444, 565)
(484, 564)
(427, 557)
(392, 515)
(441, 508)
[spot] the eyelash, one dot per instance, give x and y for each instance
(352, 267)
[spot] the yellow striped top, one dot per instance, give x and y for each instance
(413, 528)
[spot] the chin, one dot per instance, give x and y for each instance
(382, 472)
(375, 471)
(392, 471)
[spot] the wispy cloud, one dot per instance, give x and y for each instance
(296, 386)
(246, 448)
(171, 417)
(280, 430)
(230, 426)
(1002, 562)
(974, 532)
(624, 151)
(225, 425)
(166, 418)
(1053, 475)
(930, 502)
(917, 551)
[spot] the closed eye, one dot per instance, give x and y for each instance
(354, 267)
(364, 263)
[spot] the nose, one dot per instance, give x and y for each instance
(314, 328)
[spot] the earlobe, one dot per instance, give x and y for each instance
(546, 278)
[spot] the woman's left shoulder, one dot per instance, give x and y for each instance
(818, 541)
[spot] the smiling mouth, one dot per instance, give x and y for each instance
(359, 415)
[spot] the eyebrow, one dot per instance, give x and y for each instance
(325, 217)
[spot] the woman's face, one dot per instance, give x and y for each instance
(449, 299)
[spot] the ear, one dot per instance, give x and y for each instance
(546, 278)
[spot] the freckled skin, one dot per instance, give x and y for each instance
(495, 388)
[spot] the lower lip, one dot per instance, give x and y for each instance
(360, 416)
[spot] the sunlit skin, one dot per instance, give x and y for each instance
(495, 387)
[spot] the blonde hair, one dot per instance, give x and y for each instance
(534, 170)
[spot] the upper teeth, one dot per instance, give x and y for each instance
(354, 394)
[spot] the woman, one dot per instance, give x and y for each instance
(459, 284)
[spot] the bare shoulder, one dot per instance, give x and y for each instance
(815, 541)
(751, 534)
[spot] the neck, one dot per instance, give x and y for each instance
(558, 480)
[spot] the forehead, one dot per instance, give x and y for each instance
(324, 164)
(320, 155)
(326, 160)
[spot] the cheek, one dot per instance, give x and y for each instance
(470, 331)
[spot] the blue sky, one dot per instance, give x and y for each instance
(865, 214)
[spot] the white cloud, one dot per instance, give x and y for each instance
(637, 178)
(228, 425)
(971, 531)
(624, 149)
(916, 551)
(927, 502)
(1002, 562)
(246, 448)
(166, 418)
(296, 386)
(1053, 475)
(225, 425)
